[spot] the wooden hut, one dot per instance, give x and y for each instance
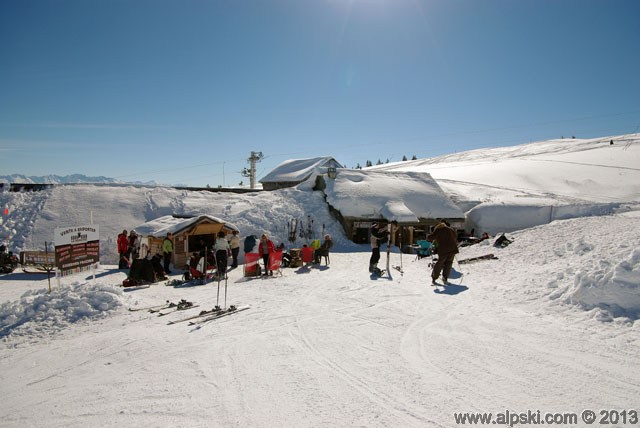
(358, 198)
(188, 234)
(292, 172)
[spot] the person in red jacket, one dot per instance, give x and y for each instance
(123, 250)
(264, 249)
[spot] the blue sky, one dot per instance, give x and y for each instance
(181, 92)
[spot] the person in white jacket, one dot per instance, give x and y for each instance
(234, 244)
(221, 249)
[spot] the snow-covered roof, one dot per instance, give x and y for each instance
(402, 196)
(160, 226)
(297, 170)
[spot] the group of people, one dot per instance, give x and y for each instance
(443, 236)
(132, 247)
(217, 255)
(128, 248)
(266, 247)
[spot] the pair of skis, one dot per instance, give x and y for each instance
(182, 305)
(153, 307)
(209, 315)
(216, 312)
(489, 256)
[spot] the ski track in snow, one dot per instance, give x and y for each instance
(319, 348)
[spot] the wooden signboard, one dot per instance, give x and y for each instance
(77, 249)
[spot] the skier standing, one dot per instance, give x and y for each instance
(378, 237)
(447, 248)
(222, 249)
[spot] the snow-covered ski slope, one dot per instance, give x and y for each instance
(569, 170)
(33, 216)
(548, 180)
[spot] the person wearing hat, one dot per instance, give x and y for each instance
(123, 250)
(323, 250)
(378, 237)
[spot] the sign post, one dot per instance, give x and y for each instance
(77, 249)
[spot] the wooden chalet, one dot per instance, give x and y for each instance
(187, 233)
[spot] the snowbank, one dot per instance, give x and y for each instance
(504, 217)
(615, 288)
(40, 313)
(592, 263)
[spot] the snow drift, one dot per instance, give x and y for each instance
(39, 313)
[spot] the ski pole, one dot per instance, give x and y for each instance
(225, 292)
(218, 275)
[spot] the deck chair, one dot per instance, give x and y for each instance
(424, 249)
(275, 261)
(198, 272)
(251, 266)
(307, 255)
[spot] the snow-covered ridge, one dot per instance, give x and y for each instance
(63, 179)
(510, 188)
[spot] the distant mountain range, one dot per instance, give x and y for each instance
(66, 179)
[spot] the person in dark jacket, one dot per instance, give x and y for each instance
(446, 242)
(250, 243)
(378, 238)
(323, 250)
